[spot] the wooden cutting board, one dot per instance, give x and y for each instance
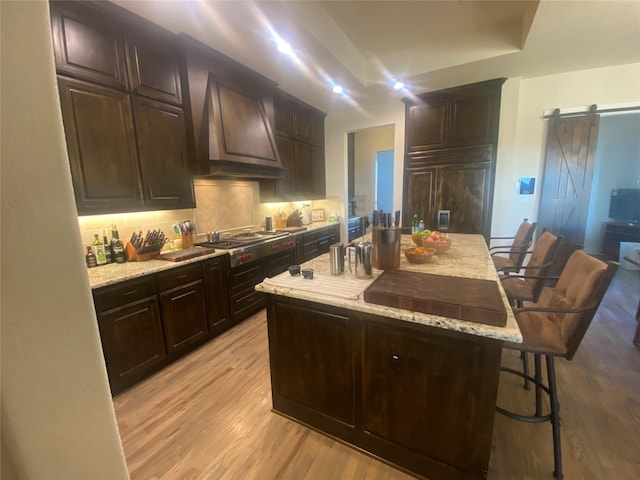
(469, 299)
(186, 254)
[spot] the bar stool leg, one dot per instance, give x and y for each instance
(538, 376)
(555, 418)
(525, 369)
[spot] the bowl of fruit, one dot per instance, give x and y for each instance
(418, 236)
(438, 241)
(418, 254)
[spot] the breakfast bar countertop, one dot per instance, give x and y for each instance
(468, 257)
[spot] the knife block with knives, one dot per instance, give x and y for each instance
(141, 249)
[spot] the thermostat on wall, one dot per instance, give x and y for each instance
(526, 186)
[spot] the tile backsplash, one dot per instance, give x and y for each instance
(221, 205)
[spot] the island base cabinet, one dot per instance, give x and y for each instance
(419, 397)
(312, 362)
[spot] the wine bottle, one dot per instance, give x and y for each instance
(116, 246)
(107, 247)
(98, 247)
(90, 258)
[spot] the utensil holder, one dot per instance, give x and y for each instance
(187, 241)
(386, 248)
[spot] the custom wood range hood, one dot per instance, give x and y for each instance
(231, 108)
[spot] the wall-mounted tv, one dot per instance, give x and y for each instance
(625, 205)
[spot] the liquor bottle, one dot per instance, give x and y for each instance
(421, 226)
(90, 258)
(116, 246)
(107, 248)
(98, 247)
(414, 223)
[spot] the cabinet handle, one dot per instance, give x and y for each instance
(395, 363)
(182, 276)
(130, 292)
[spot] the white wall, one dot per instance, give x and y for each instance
(367, 143)
(338, 125)
(57, 415)
(521, 153)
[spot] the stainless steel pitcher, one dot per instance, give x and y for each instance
(336, 258)
(363, 253)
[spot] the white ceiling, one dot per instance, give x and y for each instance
(429, 45)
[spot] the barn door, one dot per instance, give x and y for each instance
(568, 175)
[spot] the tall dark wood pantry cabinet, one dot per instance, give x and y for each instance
(450, 154)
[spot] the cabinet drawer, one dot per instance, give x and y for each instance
(179, 276)
(113, 296)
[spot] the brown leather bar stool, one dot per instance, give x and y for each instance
(556, 329)
(528, 286)
(516, 252)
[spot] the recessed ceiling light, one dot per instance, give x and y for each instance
(284, 47)
(398, 85)
(337, 89)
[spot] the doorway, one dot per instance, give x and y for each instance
(384, 181)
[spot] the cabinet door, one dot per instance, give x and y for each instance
(302, 124)
(304, 169)
(279, 262)
(153, 67)
(132, 341)
(101, 144)
(309, 246)
(473, 118)
(412, 396)
(244, 299)
(88, 45)
(426, 125)
(464, 190)
(287, 187)
(163, 154)
(319, 187)
(283, 116)
(421, 196)
(184, 315)
(312, 360)
(317, 124)
(215, 284)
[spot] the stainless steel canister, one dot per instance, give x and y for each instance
(336, 258)
(268, 224)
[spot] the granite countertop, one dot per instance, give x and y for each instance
(119, 272)
(468, 253)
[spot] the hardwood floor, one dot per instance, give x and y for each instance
(209, 415)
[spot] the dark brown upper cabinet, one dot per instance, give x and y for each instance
(457, 117)
(450, 155)
(120, 94)
(299, 132)
(162, 150)
(154, 67)
(88, 47)
(102, 155)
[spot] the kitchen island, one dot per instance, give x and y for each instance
(414, 389)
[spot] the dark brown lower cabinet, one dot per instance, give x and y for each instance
(419, 397)
(131, 331)
(151, 321)
(214, 273)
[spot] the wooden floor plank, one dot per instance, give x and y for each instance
(209, 416)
